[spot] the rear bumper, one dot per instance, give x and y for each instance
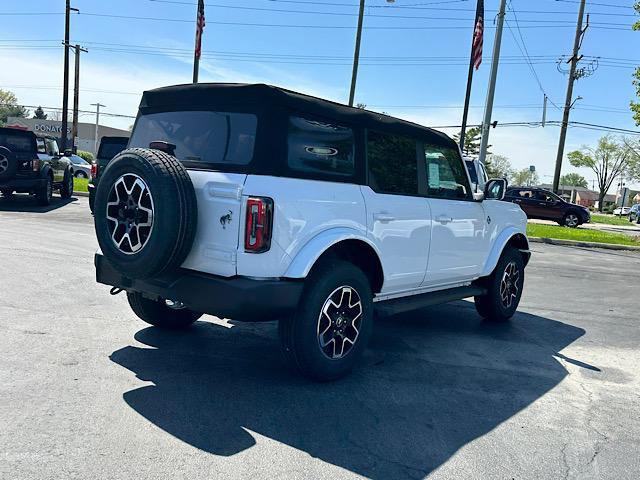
(23, 184)
(237, 298)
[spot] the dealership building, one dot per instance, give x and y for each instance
(86, 131)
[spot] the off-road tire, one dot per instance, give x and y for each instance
(491, 306)
(66, 190)
(45, 193)
(299, 335)
(174, 212)
(9, 163)
(158, 314)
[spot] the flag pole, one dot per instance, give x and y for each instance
(472, 62)
(198, 45)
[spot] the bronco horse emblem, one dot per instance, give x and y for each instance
(225, 219)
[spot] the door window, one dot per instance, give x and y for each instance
(547, 197)
(41, 146)
(393, 167)
(527, 194)
(318, 147)
(52, 147)
(446, 175)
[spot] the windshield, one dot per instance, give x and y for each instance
(200, 136)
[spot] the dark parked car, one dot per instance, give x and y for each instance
(109, 148)
(634, 213)
(31, 164)
(545, 205)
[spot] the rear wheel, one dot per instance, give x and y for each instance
(45, 193)
(159, 314)
(331, 327)
(504, 288)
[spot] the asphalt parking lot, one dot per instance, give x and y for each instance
(89, 391)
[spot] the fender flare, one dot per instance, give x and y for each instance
(498, 246)
(45, 171)
(306, 257)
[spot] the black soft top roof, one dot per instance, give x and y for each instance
(262, 97)
(16, 131)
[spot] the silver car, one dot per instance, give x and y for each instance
(80, 167)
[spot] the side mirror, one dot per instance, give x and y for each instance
(495, 189)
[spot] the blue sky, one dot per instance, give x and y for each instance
(414, 58)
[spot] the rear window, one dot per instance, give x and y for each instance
(393, 166)
(200, 136)
(17, 143)
(109, 149)
(320, 147)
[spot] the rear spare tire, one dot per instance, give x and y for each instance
(8, 163)
(145, 213)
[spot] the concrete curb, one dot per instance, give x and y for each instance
(575, 243)
(80, 194)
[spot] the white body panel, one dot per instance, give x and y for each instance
(400, 227)
(215, 248)
(423, 244)
(459, 241)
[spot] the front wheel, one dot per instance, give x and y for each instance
(504, 288)
(66, 191)
(159, 314)
(332, 325)
(81, 174)
(45, 193)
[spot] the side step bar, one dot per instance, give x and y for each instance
(415, 302)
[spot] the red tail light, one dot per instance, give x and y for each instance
(94, 170)
(259, 222)
(35, 165)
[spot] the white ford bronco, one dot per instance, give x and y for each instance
(254, 203)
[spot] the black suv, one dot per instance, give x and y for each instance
(109, 148)
(546, 205)
(31, 164)
(634, 213)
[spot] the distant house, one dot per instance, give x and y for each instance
(586, 198)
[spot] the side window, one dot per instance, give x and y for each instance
(320, 147)
(40, 143)
(393, 167)
(446, 176)
(52, 147)
(526, 194)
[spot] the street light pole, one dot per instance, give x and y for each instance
(95, 142)
(493, 76)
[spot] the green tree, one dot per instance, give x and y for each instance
(574, 180)
(9, 107)
(635, 106)
(472, 139)
(39, 114)
(525, 177)
(498, 166)
(608, 160)
(88, 156)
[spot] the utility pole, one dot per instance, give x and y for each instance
(96, 137)
(65, 86)
(356, 55)
(76, 94)
(568, 104)
(493, 76)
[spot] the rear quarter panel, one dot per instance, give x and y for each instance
(303, 209)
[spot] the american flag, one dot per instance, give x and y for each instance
(478, 35)
(199, 28)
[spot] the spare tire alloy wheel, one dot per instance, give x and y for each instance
(339, 322)
(8, 165)
(4, 164)
(129, 212)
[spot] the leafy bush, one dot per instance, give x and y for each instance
(88, 156)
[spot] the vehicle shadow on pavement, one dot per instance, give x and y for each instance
(28, 203)
(431, 382)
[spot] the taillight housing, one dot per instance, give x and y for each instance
(259, 224)
(35, 165)
(94, 171)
